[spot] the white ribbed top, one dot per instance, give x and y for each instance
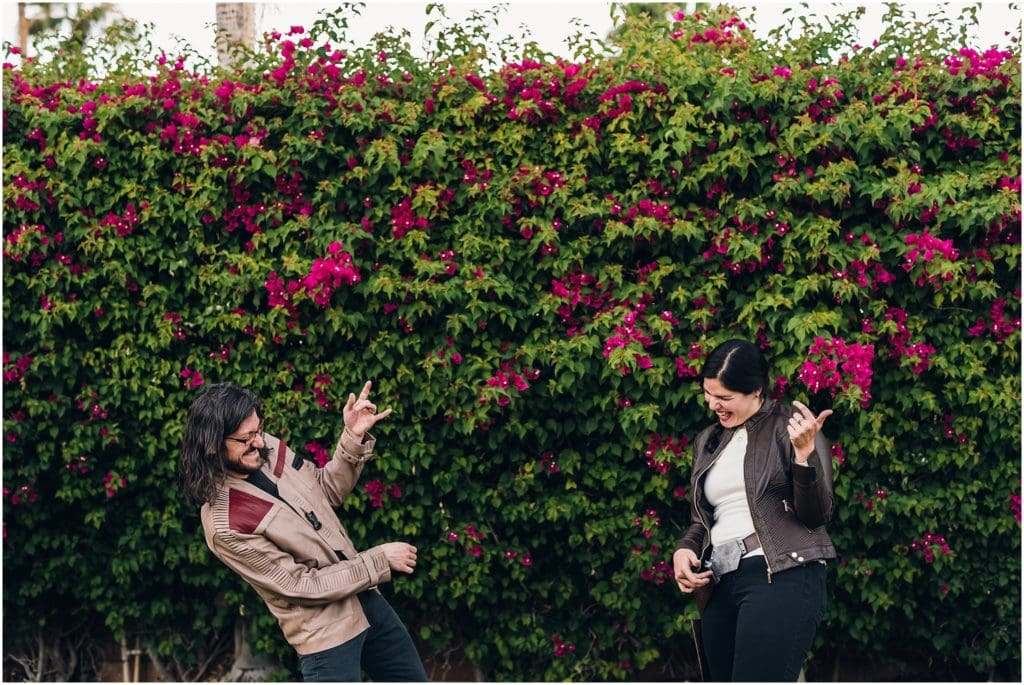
(725, 488)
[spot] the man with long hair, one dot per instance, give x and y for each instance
(269, 516)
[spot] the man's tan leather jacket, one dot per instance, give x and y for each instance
(289, 550)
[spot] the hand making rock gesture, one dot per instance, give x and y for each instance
(360, 414)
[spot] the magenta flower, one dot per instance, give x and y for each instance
(192, 379)
(319, 453)
(375, 489)
(834, 365)
(561, 648)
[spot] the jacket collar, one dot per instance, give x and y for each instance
(764, 410)
(725, 434)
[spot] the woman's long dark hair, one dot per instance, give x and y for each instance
(739, 365)
(216, 413)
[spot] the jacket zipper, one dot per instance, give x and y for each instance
(700, 512)
(753, 519)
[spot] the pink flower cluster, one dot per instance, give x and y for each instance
(191, 379)
(241, 212)
(579, 288)
(690, 369)
(321, 382)
(376, 490)
(562, 649)
(473, 538)
(26, 494)
(15, 369)
(548, 462)
(835, 365)
(998, 324)
(918, 353)
(927, 544)
(533, 101)
(328, 274)
(280, 74)
(223, 354)
(628, 333)
(974, 64)
(949, 432)
(404, 219)
(925, 247)
(659, 572)
(34, 241)
(622, 95)
(112, 483)
(124, 224)
(319, 452)
(649, 207)
(1015, 506)
(506, 379)
(325, 276)
(720, 36)
(80, 465)
(538, 183)
(525, 559)
(880, 496)
(719, 246)
(837, 453)
(175, 319)
(662, 450)
(472, 175)
(647, 523)
(864, 273)
(23, 200)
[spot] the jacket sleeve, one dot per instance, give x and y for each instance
(274, 572)
(339, 476)
(813, 500)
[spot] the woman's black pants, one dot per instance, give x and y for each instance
(756, 631)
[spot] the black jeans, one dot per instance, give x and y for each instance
(385, 651)
(758, 631)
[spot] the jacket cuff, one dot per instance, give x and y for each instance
(377, 566)
(352, 450)
(806, 474)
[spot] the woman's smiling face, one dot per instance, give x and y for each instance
(732, 408)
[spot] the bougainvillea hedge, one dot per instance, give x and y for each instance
(530, 262)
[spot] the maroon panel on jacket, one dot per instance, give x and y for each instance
(279, 466)
(245, 511)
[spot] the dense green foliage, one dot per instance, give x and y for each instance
(530, 262)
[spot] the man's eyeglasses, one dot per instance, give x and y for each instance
(249, 438)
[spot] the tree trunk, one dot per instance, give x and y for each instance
(248, 667)
(22, 30)
(236, 26)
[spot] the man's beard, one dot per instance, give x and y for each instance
(239, 467)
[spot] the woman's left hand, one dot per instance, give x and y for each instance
(802, 428)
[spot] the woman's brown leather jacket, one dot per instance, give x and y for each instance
(789, 503)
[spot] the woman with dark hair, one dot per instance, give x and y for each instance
(269, 515)
(755, 551)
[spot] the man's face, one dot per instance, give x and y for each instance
(243, 448)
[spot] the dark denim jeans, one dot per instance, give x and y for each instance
(756, 631)
(385, 651)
